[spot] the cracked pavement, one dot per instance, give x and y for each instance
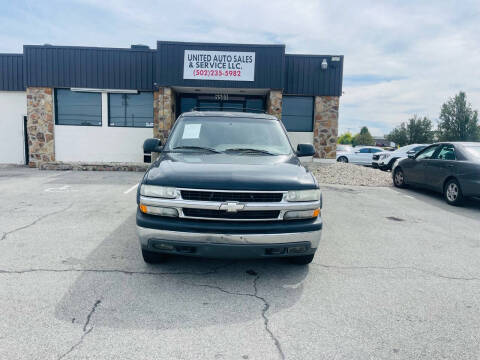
(73, 285)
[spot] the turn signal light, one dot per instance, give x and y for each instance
(158, 210)
(302, 214)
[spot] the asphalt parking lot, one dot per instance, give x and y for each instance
(397, 276)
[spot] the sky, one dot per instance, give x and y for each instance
(401, 57)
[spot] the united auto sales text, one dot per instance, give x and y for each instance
(225, 62)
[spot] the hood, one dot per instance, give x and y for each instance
(229, 172)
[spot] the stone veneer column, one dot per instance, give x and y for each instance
(325, 129)
(163, 113)
(274, 103)
(40, 124)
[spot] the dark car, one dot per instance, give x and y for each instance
(228, 185)
(452, 169)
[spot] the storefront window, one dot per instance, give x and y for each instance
(297, 113)
(130, 110)
(211, 102)
(254, 105)
(78, 108)
(187, 104)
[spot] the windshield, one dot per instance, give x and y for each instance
(229, 134)
(473, 151)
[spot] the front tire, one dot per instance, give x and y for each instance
(342, 159)
(453, 193)
(399, 178)
(302, 260)
(151, 257)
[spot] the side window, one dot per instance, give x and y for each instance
(446, 153)
(375, 150)
(417, 149)
(297, 113)
(427, 153)
(78, 108)
(130, 110)
(364, 151)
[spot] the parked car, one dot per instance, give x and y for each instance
(452, 169)
(385, 160)
(359, 155)
(228, 185)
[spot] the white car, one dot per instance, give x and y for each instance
(361, 155)
(385, 160)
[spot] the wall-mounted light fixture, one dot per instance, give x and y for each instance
(324, 64)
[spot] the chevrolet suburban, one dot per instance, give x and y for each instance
(228, 185)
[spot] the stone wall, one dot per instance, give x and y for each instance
(274, 103)
(325, 128)
(40, 125)
(163, 113)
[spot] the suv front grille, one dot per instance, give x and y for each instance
(241, 215)
(376, 157)
(231, 196)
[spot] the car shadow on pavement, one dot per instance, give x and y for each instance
(470, 207)
(124, 292)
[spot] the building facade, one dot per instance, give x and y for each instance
(84, 104)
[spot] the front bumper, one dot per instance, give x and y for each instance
(247, 245)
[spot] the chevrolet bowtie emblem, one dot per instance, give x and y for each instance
(232, 207)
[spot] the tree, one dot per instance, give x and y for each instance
(399, 135)
(363, 138)
(416, 131)
(345, 138)
(458, 122)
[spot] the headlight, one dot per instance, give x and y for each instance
(384, 156)
(157, 210)
(302, 214)
(304, 195)
(158, 191)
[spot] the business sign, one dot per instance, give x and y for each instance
(219, 65)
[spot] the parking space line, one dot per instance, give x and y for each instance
(132, 188)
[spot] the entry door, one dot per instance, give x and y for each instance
(208, 105)
(211, 102)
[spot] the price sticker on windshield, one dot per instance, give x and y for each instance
(191, 131)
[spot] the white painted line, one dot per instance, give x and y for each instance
(132, 188)
(64, 188)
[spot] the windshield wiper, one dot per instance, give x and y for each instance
(196, 148)
(247, 150)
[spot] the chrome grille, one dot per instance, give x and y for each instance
(231, 196)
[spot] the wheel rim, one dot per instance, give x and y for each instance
(399, 177)
(452, 192)
(343, 159)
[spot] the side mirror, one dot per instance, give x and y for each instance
(152, 145)
(411, 156)
(305, 150)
